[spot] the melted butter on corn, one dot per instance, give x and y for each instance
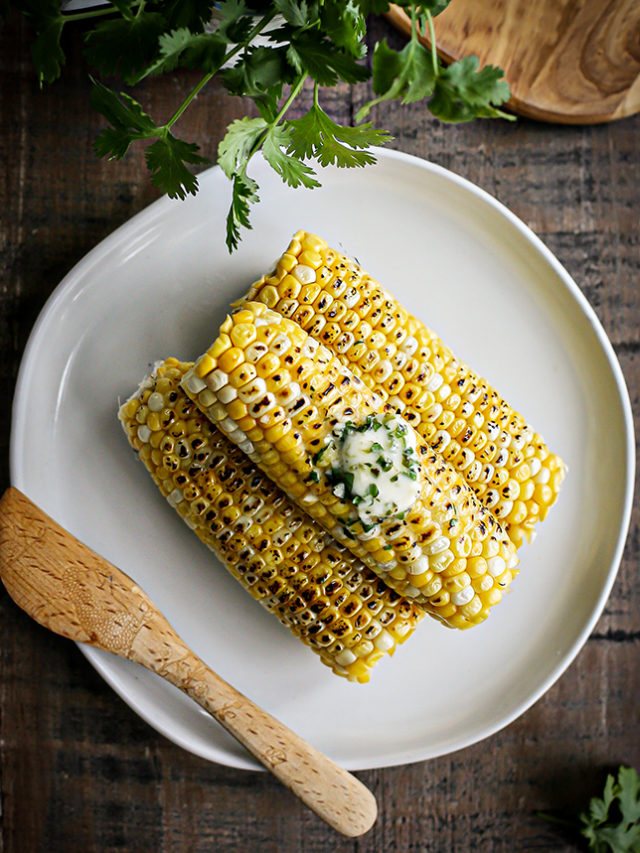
(286, 401)
(374, 465)
(457, 413)
(315, 587)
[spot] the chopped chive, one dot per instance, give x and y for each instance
(318, 456)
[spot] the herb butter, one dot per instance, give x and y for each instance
(374, 465)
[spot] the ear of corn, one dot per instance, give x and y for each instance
(278, 394)
(456, 412)
(320, 591)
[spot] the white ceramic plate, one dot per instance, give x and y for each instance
(160, 285)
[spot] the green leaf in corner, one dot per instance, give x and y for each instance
(612, 823)
(166, 160)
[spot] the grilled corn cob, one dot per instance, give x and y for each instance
(283, 398)
(334, 604)
(456, 412)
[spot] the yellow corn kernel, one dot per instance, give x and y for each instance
(206, 364)
(241, 375)
(311, 243)
(309, 258)
(289, 287)
(275, 433)
(267, 365)
(287, 262)
(223, 343)
(242, 334)
(231, 358)
(308, 294)
(287, 442)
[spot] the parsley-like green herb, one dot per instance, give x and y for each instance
(319, 42)
(318, 456)
(612, 822)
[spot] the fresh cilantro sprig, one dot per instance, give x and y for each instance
(612, 822)
(264, 51)
(457, 93)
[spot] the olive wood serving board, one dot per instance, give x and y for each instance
(567, 61)
(71, 590)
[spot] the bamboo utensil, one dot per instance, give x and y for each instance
(71, 590)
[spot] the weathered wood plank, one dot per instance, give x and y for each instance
(79, 770)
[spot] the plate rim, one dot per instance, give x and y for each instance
(155, 210)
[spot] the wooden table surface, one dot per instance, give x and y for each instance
(79, 770)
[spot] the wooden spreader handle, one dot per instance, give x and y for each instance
(71, 590)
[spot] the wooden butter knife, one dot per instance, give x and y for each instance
(71, 590)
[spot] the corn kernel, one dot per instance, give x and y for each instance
(241, 375)
(230, 358)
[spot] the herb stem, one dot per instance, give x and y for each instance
(432, 39)
(262, 23)
(192, 94)
(94, 13)
(295, 89)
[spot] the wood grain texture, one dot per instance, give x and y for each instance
(78, 769)
(69, 589)
(566, 61)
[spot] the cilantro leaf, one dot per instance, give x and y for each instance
(345, 25)
(234, 21)
(46, 52)
(205, 51)
(408, 74)
(291, 169)
(611, 823)
(629, 794)
(124, 45)
(127, 118)
(373, 7)
(166, 159)
(434, 7)
(122, 111)
(260, 69)
(192, 14)
(244, 193)
(463, 93)
(235, 147)
(317, 135)
(296, 12)
(319, 58)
